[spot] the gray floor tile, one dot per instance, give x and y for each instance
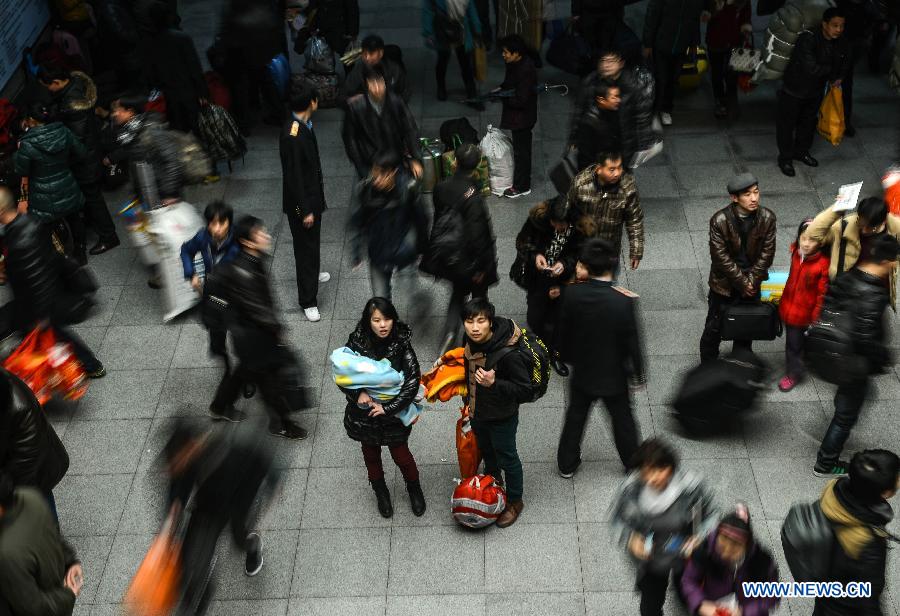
(361, 567)
(783, 481)
(124, 558)
(188, 391)
(439, 605)
(284, 510)
(139, 347)
(596, 487)
(138, 304)
(693, 149)
(672, 332)
(436, 555)
(661, 215)
(91, 505)
(532, 557)
(192, 350)
(611, 603)
(661, 289)
(657, 182)
(106, 298)
(92, 552)
(105, 447)
(122, 394)
(550, 498)
(353, 506)
(668, 250)
(535, 604)
(780, 427)
(707, 179)
(728, 443)
(604, 563)
(145, 507)
(359, 606)
(438, 482)
(273, 582)
(267, 607)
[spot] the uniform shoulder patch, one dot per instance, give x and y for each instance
(626, 292)
(469, 192)
(295, 128)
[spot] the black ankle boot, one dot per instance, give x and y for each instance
(385, 508)
(416, 497)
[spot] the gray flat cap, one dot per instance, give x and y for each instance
(741, 182)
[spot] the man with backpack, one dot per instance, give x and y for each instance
(862, 296)
(606, 359)
(498, 377)
(842, 536)
(462, 248)
(373, 54)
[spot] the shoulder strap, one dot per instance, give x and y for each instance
(842, 250)
(494, 358)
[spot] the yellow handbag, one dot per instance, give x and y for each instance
(831, 115)
(696, 62)
(480, 63)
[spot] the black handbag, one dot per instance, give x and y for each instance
(750, 321)
(562, 173)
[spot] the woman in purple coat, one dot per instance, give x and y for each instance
(712, 584)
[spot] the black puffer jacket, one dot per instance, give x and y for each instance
(145, 138)
(814, 62)
(384, 430)
(868, 297)
(535, 237)
(245, 284)
(30, 450)
(47, 154)
(365, 132)
(33, 269)
(74, 107)
(393, 225)
(601, 131)
(480, 243)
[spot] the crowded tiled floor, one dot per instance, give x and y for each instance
(326, 549)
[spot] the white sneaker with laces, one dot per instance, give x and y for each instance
(324, 276)
(665, 118)
(312, 313)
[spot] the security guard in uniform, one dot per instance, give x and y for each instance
(303, 195)
(606, 358)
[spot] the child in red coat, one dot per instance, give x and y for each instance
(801, 301)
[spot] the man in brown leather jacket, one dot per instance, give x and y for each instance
(741, 246)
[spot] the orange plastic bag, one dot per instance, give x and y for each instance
(467, 452)
(155, 587)
(47, 366)
(831, 116)
(891, 184)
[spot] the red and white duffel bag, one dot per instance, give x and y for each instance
(477, 501)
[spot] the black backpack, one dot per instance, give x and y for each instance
(830, 349)
(220, 134)
(445, 256)
(458, 131)
(535, 351)
(808, 542)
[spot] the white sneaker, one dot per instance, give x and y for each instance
(324, 276)
(665, 118)
(312, 313)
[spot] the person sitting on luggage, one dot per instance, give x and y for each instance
(373, 54)
(858, 510)
(547, 251)
(600, 129)
(742, 247)
(520, 110)
(712, 584)
(801, 301)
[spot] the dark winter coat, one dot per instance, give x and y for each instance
(171, 65)
(394, 79)
(74, 107)
(512, 384)
(384, 430)
(534, 238)
(520, 110)
(253, 29)
(860, 550)
(671, 26)
(47, 154)
(145, 138)
(394, 225)
(480, 243)
(867, 297)
(605, 358)
(815, 62)
(32, 270)
(30, 451)
(708, 578)
(212, 255)
(249, 294)
(602, 211)
(34, 559)
(337, 21)
(366, 132)
(804, 292)
(303, 186)
(725, 275)
(731, 20)
(600, 131)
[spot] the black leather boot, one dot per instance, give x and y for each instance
(385, 508)
(416, 497)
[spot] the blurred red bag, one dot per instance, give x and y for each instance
(154, 589)
(47, 366)
(218, 91)
(467, 451)
(891, 184)
(156, 103)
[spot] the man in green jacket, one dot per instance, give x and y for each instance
(39, 572)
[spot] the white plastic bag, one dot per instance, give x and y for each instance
(172, 226)
(497, 147)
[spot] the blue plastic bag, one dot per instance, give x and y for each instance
(280, 71)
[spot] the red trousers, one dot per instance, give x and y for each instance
(402, 456)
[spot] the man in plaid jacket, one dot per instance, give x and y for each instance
(603, 198)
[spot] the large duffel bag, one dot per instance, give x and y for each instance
(458, 131)
(750, 321)
(325, 84)
(571, 53)
(716, 391)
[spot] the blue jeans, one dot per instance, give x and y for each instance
(848, 402)
(497, 442)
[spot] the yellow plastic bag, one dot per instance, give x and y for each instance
(831, 116)
(480, 63)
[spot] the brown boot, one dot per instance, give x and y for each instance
(510, 514)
